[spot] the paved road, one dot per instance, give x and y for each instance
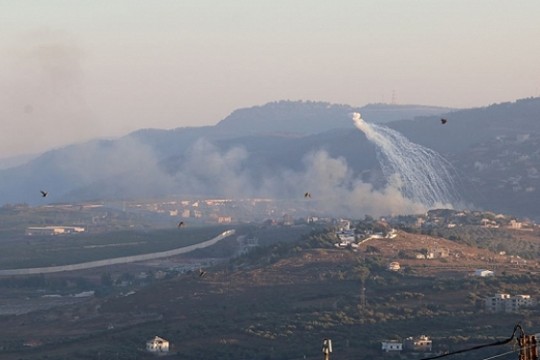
(116, 261)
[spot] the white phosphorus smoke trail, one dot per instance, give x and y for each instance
(420, 174)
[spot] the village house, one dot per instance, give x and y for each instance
(487, 223)
(391, 345)
(346, 236)
(344, 225)
(157, 345)
(346, 239)
(420, 343)
(186, 213)
(224, 220)
(437, 253)
(516, 225)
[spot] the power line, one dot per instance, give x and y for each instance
(531, 347)
(496, 356)
(497, 343)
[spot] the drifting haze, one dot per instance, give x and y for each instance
(333, 185)
(208, 171)
(43, 102)
(73, 70)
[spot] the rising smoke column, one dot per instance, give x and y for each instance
(420, 174)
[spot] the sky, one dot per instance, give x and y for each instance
(75, 70)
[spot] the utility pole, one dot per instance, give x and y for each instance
(363, 297)
(527, 347)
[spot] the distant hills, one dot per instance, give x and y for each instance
(285, 148)
(306, 118)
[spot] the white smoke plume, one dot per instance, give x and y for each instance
(420, 174)
(207, 170)
(336, 191)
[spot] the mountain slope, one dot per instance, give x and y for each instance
(281, 149)
(467, 128)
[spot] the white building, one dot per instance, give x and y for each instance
(53, 230)
(508, 303)
(516, 225)
(391, 345)
(157, 345)
(483, 273)
(346, 236)
(224, 219)
(186, 213)
(344, 225)
(518, 301)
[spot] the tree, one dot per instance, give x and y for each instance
(106, 280)
(362, 272)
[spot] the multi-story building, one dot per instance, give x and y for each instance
(508, 303)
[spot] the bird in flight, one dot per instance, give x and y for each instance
(43, 193)
(180, 224)
(202, 273)
(307, 195)
(443, 121)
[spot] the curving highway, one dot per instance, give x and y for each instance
(116, 261)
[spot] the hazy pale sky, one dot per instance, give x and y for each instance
(74, 70)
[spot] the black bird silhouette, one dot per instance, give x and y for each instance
(443, 121)
(307, 195)
(202, 273)
(180, 224)
(43, 193)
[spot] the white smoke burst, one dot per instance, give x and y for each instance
(420, 174)
(340, 193)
